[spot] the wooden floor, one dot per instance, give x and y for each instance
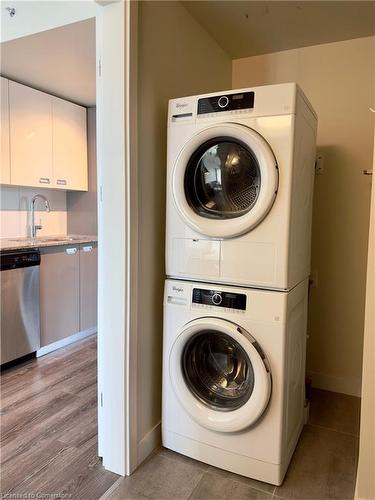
(49, 427)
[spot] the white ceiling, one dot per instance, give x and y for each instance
(246, 28)
(59, 61)
(62, 61)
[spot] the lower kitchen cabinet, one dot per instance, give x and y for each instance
(59, 293)
(68, 291)
(88, 273)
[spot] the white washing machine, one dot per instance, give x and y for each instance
(240, 180)
(233, 376)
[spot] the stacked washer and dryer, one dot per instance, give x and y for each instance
(240, 180)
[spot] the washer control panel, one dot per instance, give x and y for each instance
(228, 102)
(219, 298)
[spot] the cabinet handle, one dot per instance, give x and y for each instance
(61, 182)
(44, 180)
(71, 251)
(87, 248)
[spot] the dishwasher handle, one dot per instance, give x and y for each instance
(19, 259)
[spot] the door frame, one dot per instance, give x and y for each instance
(116, 78)
(365, 481)
(117, 234)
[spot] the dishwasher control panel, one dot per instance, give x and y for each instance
(19, 259)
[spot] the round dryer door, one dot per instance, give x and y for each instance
(220, 375)
(225, 180)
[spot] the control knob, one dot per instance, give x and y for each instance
(216, 299)
(223, 101)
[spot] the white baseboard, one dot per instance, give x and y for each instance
(344, 385)
(66, 341)
(149, 443)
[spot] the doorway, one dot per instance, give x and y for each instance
(113, 256)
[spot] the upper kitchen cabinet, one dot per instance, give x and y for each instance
(5, 162)
(69, 145)
(46, 137)
(30, 136)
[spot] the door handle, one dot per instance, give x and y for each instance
(71, 251)
(61, 182)
(87, 248)
(44, 180)
(367, 171)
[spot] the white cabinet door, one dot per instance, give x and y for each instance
(5, 163)
(69, 145)
(30, 136)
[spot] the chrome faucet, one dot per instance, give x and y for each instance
(35, 227)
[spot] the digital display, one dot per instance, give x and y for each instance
(219, 298)
(228, 102)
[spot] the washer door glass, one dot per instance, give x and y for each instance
(219, 374)
(222, 179)
(217, 370)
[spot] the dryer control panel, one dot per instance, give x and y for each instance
(219, 298)
(226, 102)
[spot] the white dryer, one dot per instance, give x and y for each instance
(240, 174)
(233, 376)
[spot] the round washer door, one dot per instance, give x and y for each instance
(225, 180)
(219, 374)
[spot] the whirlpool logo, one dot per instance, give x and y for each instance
(177, 289)
(181, 104)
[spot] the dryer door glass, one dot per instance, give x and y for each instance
(222, 179)
(217, 370)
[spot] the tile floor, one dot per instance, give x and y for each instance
(323, 466)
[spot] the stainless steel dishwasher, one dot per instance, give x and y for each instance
(20, 316)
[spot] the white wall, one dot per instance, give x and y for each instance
(176, 58)
(15, 220)
(339, 79)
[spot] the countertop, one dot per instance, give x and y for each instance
(45, 241)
